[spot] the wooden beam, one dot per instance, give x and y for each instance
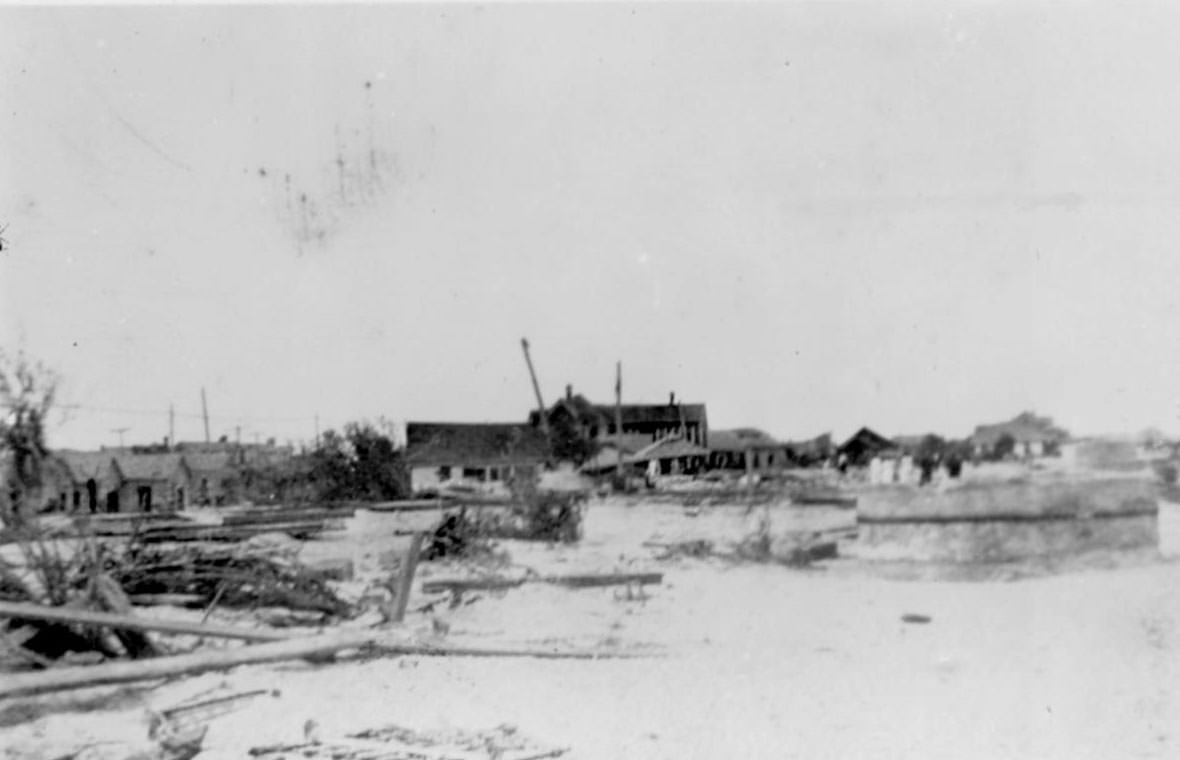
(26, 611)
(59, 679)
(405, 579)
(316, 647)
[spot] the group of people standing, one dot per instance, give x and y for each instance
(907, 469)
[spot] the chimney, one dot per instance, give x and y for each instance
(569, 392)
(672, 398)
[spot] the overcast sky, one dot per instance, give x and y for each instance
(810, 216)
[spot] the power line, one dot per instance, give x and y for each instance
(188, 415)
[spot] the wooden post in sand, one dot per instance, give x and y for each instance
(405, 578)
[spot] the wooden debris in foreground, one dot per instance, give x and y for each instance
(592, 580)
(405, 579)
(27, 611)
(311, 648)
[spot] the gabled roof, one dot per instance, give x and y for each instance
(867, 439)
(665, 414)
(582, 410)
(455, 443)
(628, 442)
(1024, 428)
(210, 461)
(672, 447)
(742, 439)
(85, 465)
(151, 466)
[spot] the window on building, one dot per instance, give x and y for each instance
(475, 473)
(444, 472)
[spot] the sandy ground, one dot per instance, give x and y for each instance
(756, 661)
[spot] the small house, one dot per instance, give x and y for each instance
(153, 482)
(671, 456)
(479, 456)
(95, 481)
(864, 445)
(1027, 434)
(746, 448)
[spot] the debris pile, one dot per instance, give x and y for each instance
(233, 576)
(72, 601)
(397, 743)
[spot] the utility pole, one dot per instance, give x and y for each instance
(524, 343)
(171, 427)
(619, 419)
(205, 413)
(317, 429)
(120, 432)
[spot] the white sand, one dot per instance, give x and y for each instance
(759, 661)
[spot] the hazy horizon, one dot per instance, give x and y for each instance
(810, 216)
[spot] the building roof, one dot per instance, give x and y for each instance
(85, 465)
(866, 439)
(672, 447)
(628, 442)
(668, 414)
(480, 443)
(582, 410)
(1024, 428)
(150, 466)
(215, 461)
(742, 439)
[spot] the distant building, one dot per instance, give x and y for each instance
(864, 445)
(153, 482)
(214, 477)
(671, 456)
(653, 421)
(95, 480)
(743, 448)
(1031, 436)
(478, 456)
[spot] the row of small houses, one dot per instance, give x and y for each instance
(653, 439)
(144, 479)
(665, 439)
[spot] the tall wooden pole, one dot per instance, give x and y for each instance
(524, 343)
(205, 413)
(171, 427)
(619, 418)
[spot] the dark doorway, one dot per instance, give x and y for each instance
(92, 495)
(77, 500)
(113, 502)
(144, 494)
(179, 499)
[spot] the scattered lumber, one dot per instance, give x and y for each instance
(116, 621)
(470, 584)
(230, 533)
(310, 648)
(162, 600)
(60, 679)
(609, 579)
(571, 581)
(111, 598)
(405, 580)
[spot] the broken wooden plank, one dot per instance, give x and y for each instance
(311, 648)
(405, 580)
(60, 679)
(589, 580)
(595, 580)
(161, 600)
(113, 599)
(27, 611)
(470, 584)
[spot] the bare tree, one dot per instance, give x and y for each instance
(27, 390)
